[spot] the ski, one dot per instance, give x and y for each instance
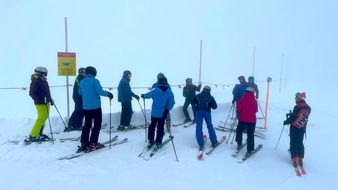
(213, 148)
(190, 124)
(252, 153)
(126, 129)
(302, 170)
(146, 150)
(78, 154)
(178, 124)
(70, 139)
(238, 150)
(37, 142)
(200, 151)
(155, 149)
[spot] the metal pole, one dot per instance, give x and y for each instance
(67, 80)
(253, 62)
(200, 63)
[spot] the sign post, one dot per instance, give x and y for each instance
(269, 79)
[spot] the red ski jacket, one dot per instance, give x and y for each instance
(247, 108)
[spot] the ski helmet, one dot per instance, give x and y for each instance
(127, 73)
(91, 70)
(82, 70)
(207, 88)
(41, 71)
(188, 80)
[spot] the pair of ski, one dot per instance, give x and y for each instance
(149, 152)
(201, 149)
(114, 141)
(186, 124)
(300, 171)
(259, 147)
(115, 130)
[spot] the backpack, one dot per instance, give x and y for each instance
(302, 117)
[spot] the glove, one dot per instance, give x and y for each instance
(286, 122)
(233, 101)
(52, 102)
(165, 113)
(142, 96)
(136, 97)
(110, 95)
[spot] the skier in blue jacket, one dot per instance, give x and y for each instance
(125, 95)
(90, 89)
(163, 102)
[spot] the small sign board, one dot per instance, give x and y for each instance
(66, 64)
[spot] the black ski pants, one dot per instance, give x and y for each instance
(159, 122)
(126, 113)
(250, 130)
(90, 116)
(296, 141)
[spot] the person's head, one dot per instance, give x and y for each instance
(207, 89)
(188, 81)
(82, 71)
(241, 79)
(300, 96)
(162, 84)
(160, 75)
(249, 89)
(251, 79)
(127, 74)
(42, 71)
(91, 70)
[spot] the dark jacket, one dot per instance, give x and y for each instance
(124, 90)
(301, 104)
(189, 91)
(204, 101)
(239, 90)
(76, 96)
(255, 87)
(39, 90)
(247, 108)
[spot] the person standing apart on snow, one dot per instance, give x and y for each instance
(90, 89)
(125, 95)
(76, 119)
(163, 102)
(40, 93)
(204, 102)
(298, 119)
(251, 83)
(189, 92)
(247, 108)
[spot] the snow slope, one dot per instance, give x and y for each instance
(36, 166)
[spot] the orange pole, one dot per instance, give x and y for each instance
(267, 101)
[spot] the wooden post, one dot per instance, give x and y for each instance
(67, 80)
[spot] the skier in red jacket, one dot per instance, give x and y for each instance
(247, 108)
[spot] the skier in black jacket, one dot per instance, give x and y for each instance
(189, 92)
(76, 119)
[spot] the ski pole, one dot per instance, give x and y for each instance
(228, 115)
(50, 126)
(232, 125)
(172, 142)
(110, 124)
(145, 117)
(279, 137)
(60, 115)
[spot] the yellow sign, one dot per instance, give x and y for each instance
(66, 64)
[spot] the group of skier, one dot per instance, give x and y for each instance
(87, 91)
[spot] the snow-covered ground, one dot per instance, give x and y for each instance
(36, 166)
